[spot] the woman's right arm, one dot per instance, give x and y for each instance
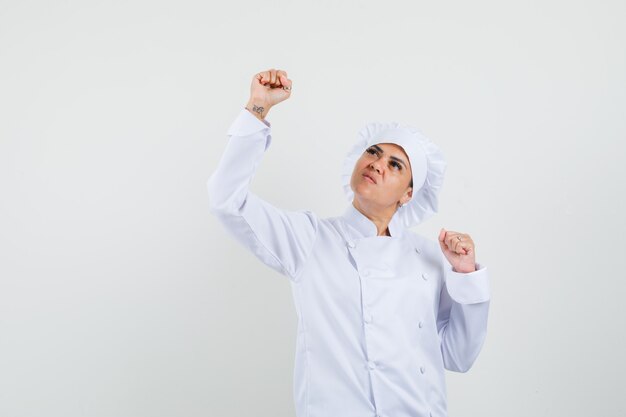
(281, 239)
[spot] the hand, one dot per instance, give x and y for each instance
(459, 252)
(268, 88)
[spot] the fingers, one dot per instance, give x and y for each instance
(282, 79)
(272, 81)
(286, 82)
(450, 240)
(454, 242)
(458, 245)
(263, 77)
(442, 235)
(273, 77)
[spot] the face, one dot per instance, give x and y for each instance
(389, 167)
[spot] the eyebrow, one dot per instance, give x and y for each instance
(393, 158)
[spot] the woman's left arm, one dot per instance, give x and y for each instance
(463, 302)
(462, 316)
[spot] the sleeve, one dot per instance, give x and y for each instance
(462, 316)
(281, 239)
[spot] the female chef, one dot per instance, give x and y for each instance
(382, 310)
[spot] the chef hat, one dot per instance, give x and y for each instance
(428, 166)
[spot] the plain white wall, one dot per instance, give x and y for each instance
(120, 295)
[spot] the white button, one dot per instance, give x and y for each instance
(365, 273)
(420, 324)
(371, 365)
(425, 276)
(417, 250)
(368, 318)
(351, 244)
(422, 369)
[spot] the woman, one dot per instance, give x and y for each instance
(382, 311)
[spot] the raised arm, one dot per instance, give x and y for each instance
(463, 302)
(279, 238)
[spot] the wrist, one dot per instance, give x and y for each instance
(258, 108)
(465, 270)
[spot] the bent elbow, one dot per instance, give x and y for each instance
(222, 200)
(460, 367)
(460, 357)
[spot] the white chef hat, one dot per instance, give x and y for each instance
(428, 166)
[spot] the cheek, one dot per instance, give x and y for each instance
(355, 175)
(398, 185)
(359, 166)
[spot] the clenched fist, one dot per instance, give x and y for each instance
(268, 89)
(458, 249)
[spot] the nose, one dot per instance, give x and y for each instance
(376, 165)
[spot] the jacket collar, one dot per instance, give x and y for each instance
(361, 226)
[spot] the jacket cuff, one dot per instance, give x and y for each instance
(470, 287)
(246, 124)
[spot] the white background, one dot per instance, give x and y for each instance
(120, 295)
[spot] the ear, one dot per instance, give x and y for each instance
(407, 196)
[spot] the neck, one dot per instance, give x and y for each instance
(380, 216)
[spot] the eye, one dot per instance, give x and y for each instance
(372, 151)
(394, 163)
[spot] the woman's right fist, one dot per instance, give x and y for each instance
(270, 88)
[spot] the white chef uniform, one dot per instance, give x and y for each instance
(379, 317)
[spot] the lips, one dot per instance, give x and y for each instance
(368, 177)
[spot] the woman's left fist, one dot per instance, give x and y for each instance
(458, 249)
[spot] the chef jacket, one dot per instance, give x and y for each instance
(379, 317)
